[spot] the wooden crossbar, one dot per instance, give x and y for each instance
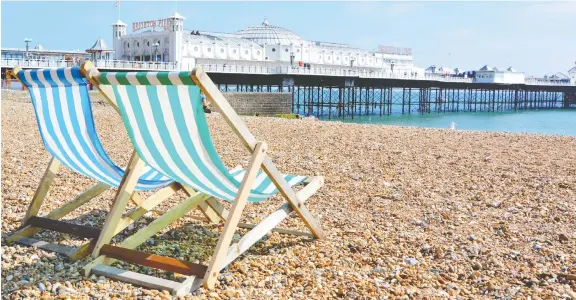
(136, 278)
(154, 261)
(59, 226)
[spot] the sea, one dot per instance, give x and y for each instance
(550, 121)
(545, 121)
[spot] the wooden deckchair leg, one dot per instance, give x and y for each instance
(56, 214)
(290, 195)
(146, 206)
(234, 215)
(218, 208)
(42, 190)
(212, 216)
(123, 194)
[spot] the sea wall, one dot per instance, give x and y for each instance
(260, 103)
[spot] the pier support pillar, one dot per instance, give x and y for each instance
(287, 81)
(349, 82)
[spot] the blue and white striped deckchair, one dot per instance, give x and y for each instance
(64, 116)
(165, 120)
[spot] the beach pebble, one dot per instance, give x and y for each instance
(410, 261)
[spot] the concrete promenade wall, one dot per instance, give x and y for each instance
(244, 103)
(263, 104)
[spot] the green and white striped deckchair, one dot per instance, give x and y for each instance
(164, 117)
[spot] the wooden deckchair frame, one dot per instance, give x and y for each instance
(32, 223)
(224, 253)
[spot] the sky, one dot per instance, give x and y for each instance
(534, 37)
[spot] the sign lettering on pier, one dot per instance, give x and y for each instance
(150, 24)
(395, 50)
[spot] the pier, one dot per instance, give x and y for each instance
(343, 97)
(347, 97)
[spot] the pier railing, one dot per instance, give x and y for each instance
(538, 81)
(248, 69)
(257, 69)
(105, 64)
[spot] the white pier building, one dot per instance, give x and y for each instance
(488, 74)
(265, 48)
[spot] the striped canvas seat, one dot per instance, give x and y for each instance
(164, 117)
(64, 114)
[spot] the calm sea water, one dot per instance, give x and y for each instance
(547, 121)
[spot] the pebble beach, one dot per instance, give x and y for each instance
(409, 213)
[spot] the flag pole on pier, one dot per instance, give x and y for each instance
(117, 4)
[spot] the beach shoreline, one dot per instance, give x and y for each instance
(409, 212)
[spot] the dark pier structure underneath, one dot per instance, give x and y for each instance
(346, 97)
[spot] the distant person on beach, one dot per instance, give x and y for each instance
(205, 103)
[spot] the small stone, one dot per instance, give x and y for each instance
(9, 277)
(562, 237)
(472, 238)
(340, 273)
(230, 293)
(410, 261)
(477, 266)
(243, 269)
(492, 287)
(475, 275)
(55, 287)
(59, 267)
(426, 249)
(41, 286)
(236, 237)
(537, 247)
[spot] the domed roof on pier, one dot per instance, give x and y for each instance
(510, 69)
(176, 15)
(270, 34)
(488, 68)
(572, 71)
(99, 45)
(39, 47)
